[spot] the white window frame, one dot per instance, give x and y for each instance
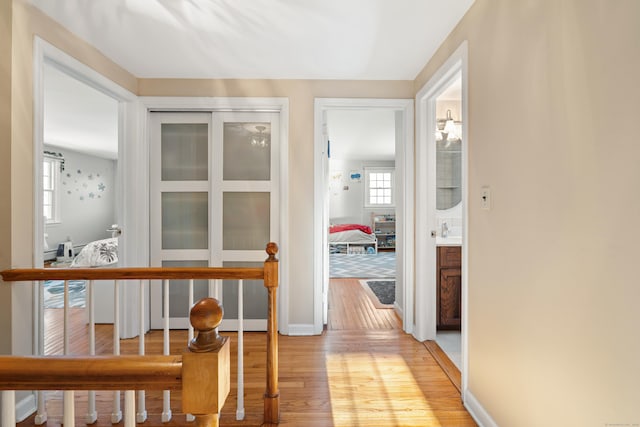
(367, 197)
(54, 165)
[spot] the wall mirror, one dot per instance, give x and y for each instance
(449, 147)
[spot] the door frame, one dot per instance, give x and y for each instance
(128, 205)
(404, 202)
(149, 104)
(456, 64)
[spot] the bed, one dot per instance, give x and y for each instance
(352, 239)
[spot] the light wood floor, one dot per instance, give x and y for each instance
(362, 371)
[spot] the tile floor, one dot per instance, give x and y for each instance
(451, 343)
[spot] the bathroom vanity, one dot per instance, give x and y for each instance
(449, 287)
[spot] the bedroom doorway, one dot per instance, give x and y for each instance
(83, 142)
(345, 172)
(361, 205)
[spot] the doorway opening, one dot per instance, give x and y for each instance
(362, 212)
(361, 190)
(84, 128)
(442, 210)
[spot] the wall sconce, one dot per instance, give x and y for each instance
(260, 139)
(448, 129)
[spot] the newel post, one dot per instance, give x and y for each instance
(272, 394)
(206, 369)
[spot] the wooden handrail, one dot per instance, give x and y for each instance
(91, 373)
(134, 273)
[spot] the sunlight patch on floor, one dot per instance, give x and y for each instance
(375, 390)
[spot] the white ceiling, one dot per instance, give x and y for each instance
(263, 39)
(361, 134)
(266, 39)
(78, 117)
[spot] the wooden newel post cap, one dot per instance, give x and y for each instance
(272, 250)
(205, 317)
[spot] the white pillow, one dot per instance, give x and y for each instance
(98, 253)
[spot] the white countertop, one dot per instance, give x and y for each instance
(449, 241)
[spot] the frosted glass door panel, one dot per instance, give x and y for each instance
(185, 220)
(246, 151)
(179, 289)
(245, 220)
(184, 151)
(254, 295)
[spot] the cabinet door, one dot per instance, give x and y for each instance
(450, 297)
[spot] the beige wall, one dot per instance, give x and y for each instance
(554, 113)
(5, 169)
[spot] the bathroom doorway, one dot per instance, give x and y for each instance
(441, 209)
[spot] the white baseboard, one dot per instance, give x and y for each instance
(398, 310)
(25, 407)
(301, 329)
(477, 411)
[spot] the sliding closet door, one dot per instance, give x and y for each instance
(180, 208)
(245, 179)
(214, 202)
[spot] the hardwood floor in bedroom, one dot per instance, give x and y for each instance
(350, 307)
(362, 371)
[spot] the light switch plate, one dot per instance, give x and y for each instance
(485, 198)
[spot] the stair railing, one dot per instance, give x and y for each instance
(202, 372)
(268, 273)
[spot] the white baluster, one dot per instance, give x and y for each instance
(41, 414)
(190, 417)
(68, 411)
(130, 408)
(142, 409)
(92, 414)
(8, 408)
(166, 394)
(65, 327)
(116, 412)
(240, 405)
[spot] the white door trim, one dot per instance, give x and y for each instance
(254, 104)
(404, 203)
(129, 210)
(425, 201)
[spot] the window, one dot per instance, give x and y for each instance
(379, 185)
(50, 190)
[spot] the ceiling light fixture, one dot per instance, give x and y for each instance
(260, 139)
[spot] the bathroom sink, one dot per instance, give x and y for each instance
(449, 241)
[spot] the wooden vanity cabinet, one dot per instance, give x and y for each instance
(449, 287)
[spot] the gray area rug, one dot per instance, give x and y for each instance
(384, 290)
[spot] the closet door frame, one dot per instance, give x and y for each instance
(250, 104)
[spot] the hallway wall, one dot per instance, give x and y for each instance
(553, 112)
